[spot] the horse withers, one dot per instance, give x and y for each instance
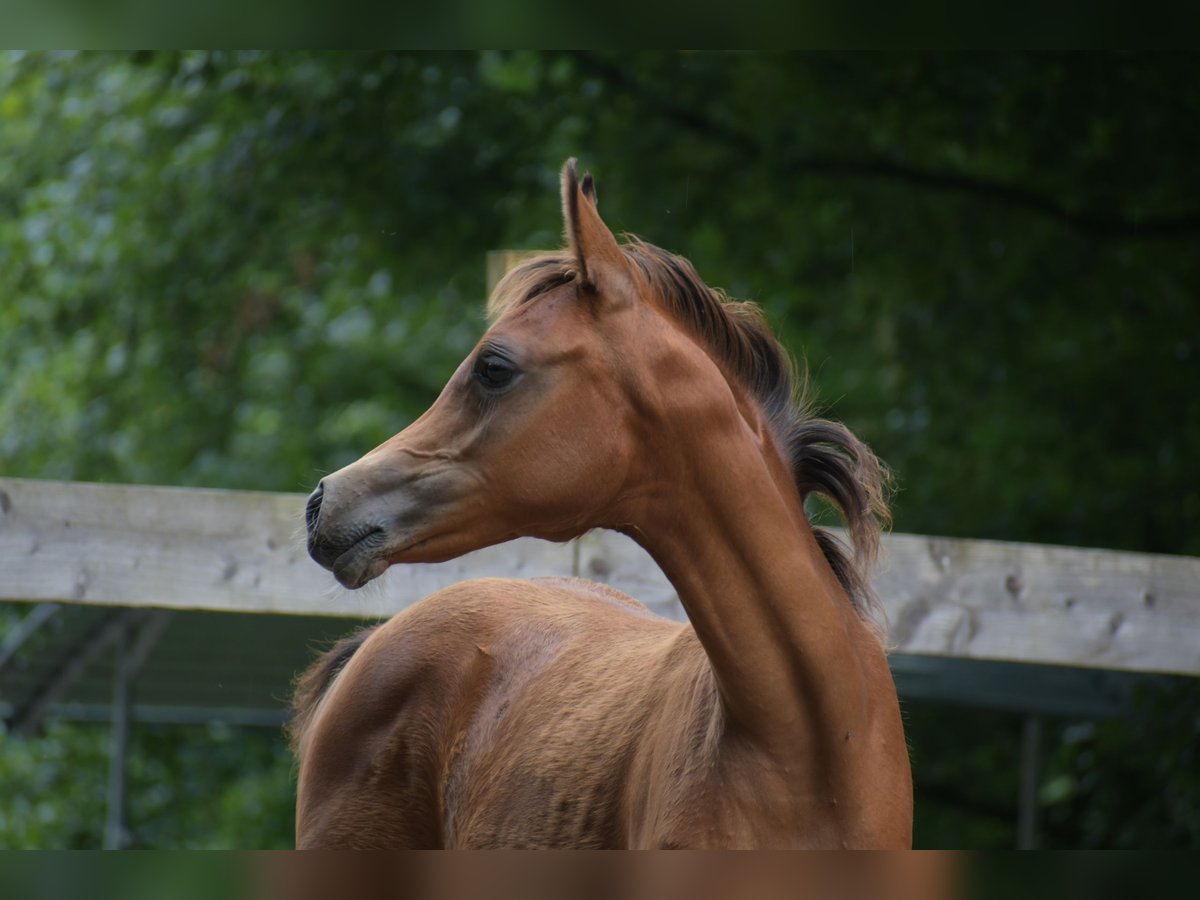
(613, 389)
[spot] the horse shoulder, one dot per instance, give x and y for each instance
(372, 756)
(388, 741)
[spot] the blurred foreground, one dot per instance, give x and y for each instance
(675, 876)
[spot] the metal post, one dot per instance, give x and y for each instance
(1031, 774)
(114, 827)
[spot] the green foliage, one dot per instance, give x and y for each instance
(54, 788)
(1130, 783)
(245, 269)
(966, 776)
(194, 787)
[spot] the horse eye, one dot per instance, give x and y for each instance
(494, 372)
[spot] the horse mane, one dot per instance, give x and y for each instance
(825, 457)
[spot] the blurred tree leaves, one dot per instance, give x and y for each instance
(1129, 783)
(245, 269)
(193, 787)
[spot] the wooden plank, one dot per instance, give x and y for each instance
(1042, 604)
(997, 600)
(244, 551)
(205, 549)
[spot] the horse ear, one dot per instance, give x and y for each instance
(588, 186)
(596, 251)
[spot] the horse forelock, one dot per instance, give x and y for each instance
(529, 280)
(825, 456)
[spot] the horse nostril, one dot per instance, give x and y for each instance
(313, 510)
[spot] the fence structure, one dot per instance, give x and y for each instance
(167, 576)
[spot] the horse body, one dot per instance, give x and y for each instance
(517, 721)
(542, 713)
(614, 390)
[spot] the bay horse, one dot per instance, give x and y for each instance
(613, 389)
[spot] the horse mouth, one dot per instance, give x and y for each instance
(368, 558)
(362, 561)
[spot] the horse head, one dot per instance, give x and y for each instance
(540, 432)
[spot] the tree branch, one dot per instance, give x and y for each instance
(1095, 223)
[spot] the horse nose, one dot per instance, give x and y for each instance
(312, 511)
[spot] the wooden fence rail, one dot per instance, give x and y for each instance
(243, 551)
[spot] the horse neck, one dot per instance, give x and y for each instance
(796, 668)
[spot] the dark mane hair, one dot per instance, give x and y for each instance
(826, 458)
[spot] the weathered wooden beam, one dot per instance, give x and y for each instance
(243, 551)
(1038, 603)
(183, 548)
